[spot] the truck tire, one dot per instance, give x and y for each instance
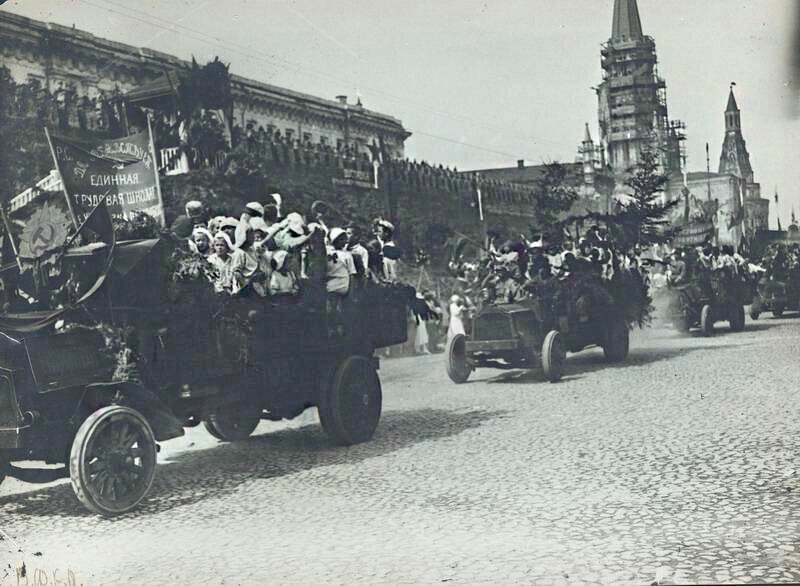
(553, 356)
(234, 423)
(706, 321)
(457, 367)
(737, 319)
(113, 460)
(617, 341)
(350, 406)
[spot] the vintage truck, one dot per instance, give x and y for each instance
(708, 298)
(228, 363)
(538, 331)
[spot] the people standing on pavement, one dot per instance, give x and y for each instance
(421, 337)
(456, 317)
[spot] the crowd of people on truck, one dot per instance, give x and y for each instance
(512, 269)
(691, 262)
(263, 254)
(782, 261)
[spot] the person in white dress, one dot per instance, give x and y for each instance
(456, 320)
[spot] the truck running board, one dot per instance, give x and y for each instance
(37, 475)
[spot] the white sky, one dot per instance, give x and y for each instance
(512, 77)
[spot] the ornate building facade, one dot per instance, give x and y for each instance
(740, 211)
(632, 98)
(56, 57)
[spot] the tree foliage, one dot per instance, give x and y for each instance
(644, 216)
(554, 195)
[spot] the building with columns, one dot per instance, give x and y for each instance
(60, 57)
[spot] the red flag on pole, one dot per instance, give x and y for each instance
(122, 170)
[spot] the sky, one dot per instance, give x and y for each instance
(482, 83)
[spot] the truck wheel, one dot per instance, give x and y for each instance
(233, 423)
(457, 367)
(737, 319)
(754, 313)
(553, 356)
(778, 311)
(617, 342)
(113, 460)
(350, 406)
(706, 321)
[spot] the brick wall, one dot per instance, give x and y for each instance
(426, 203)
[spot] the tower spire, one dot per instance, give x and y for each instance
(627, 25)
(732, 105)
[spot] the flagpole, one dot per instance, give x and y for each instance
(89, 215)
(155, 169)
(61, 176)
(10, 237)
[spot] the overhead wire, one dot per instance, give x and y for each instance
(285, 64)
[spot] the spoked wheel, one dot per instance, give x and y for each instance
(113, 460)
(457, 367)
(737, 319)
(350, 405)
(617, 342)
(706, 320)
(553, 356)
(233, 423)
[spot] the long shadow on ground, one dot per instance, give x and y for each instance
(592, 360)
(193, 476)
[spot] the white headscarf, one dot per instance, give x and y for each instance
(222, 236)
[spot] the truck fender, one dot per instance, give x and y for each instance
(160, 417)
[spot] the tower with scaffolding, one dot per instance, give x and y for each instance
(632, 98)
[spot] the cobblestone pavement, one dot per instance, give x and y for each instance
(679, 466)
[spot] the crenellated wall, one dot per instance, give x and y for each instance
(426, 203)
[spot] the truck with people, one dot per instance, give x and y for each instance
(136, 354)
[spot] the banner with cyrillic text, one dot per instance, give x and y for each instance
(122, 170)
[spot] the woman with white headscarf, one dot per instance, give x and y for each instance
(229, 278)
(201, 242)
(262, 255)
(293, 233)
(283, 283)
